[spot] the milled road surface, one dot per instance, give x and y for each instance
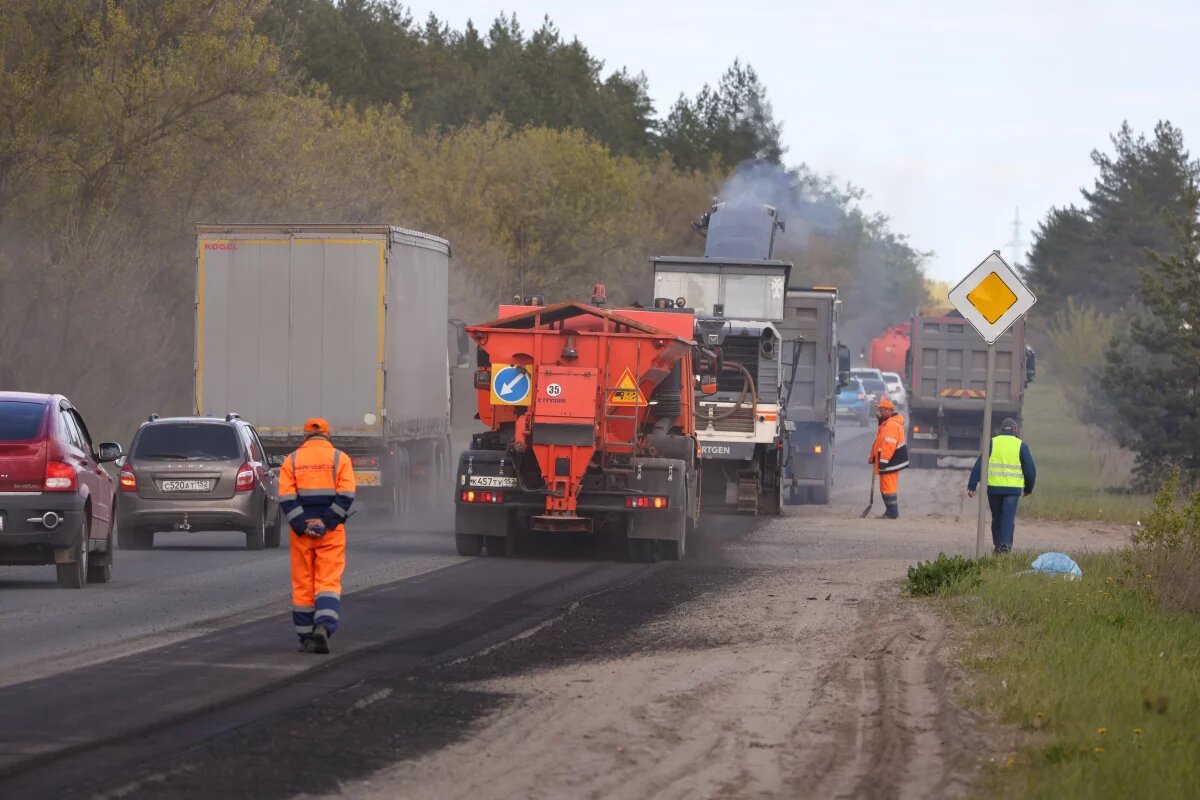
(779, 660)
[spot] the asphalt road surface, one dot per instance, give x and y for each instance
(562, 675)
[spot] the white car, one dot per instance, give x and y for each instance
(895, 388)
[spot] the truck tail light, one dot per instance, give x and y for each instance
(60, 477)
(818, 449)
(645, 501)
(483, 378)
(128, 479)
(472, 496)
(370, 462)
(916, 428)
(245, 479)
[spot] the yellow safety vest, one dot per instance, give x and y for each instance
(1004, 465)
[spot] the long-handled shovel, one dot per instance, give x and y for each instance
(871, 502)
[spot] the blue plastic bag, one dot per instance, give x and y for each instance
(1057, 564)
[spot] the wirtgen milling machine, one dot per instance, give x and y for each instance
(737, 292)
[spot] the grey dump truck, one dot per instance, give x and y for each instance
(946, 371)
(344, 322)
(737, 292)
(816, 367)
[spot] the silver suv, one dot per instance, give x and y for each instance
(197, 474)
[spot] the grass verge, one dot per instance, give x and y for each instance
(1105, 683)
(1081, 472)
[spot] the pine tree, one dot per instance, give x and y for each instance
(1152, 376)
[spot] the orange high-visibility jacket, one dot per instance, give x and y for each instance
(890, 445)
(316, 482)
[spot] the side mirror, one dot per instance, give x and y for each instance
(276, 459)
(843, 356)
(463, 359)
(109, 451)
(1030, 365)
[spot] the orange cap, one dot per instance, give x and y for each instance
(315, 426)
(886, 404)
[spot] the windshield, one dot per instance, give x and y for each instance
(874, 385)
(743, 296)
(891, 378)
(853, 387)
(186, 441)
(20, 421)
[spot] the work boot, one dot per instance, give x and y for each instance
(893, 511)
(307, 645)
(320, 640)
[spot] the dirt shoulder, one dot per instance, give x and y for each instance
(780, 663)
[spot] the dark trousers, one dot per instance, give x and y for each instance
(1004, 520)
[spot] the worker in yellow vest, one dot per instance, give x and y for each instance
(1011, 474)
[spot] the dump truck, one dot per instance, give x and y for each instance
(946, 371)
(816, 367)
(345, 322)
(736, 291)
(589, 416)
(887, 351)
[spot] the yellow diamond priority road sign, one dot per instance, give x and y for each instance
(992, 297)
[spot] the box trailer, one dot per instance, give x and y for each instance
(345, 322)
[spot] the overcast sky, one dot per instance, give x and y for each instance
(949, 114)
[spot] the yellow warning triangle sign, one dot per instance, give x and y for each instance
(627, 392)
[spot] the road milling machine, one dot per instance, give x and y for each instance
(590, 416)
(737, 291)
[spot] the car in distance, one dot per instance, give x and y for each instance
(895, 389)
(852, 403)
(197, 474)
(56, 500)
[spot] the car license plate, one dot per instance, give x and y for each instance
(924, 436)
(368, 477)
(492, 481)
(187, 486)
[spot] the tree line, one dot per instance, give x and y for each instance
(123, 124)
(1118, 285)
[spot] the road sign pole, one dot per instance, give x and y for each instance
(985, 441)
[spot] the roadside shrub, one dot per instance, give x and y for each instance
(1078, 336)
(1165, 560)
(930, 577)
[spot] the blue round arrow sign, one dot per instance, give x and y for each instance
(511, 385)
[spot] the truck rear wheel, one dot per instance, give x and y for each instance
(468, 544)
(644, 551)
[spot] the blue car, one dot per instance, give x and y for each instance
(852, 403)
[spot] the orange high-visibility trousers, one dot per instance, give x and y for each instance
(889, 485)
(317, 566)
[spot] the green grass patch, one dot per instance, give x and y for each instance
(1082, 473)
(1106, 684)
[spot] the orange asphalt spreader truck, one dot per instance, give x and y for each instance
(590, 428)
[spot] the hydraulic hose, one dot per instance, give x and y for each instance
(747, 389)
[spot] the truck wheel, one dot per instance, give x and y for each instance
(644, 551)
(468, 544)
(675, 549)
(498, 546)
(819, 495)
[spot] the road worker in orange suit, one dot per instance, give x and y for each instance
(316, 489)
(889, 454)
